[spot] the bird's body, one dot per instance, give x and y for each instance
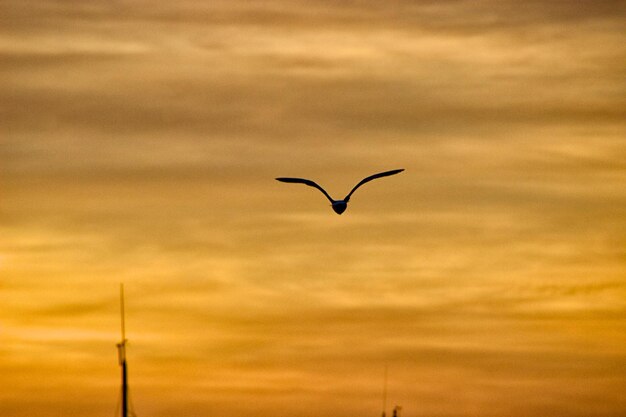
(339, 206)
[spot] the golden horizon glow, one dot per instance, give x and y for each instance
(140, 142)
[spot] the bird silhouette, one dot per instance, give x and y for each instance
(339, 205)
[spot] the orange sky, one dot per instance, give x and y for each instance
(139, 141)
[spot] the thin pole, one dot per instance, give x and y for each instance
(122, 311)
(124, 390)
(385, 391)
(122, 357)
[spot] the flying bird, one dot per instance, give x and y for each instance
(339, 205)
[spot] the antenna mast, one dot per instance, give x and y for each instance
(385, 391)
(121, 352)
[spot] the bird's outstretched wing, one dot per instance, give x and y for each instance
(372, 177)
(307, 182)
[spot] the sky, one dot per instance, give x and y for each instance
(139, 142)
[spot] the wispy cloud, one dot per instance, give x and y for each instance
(139, 144)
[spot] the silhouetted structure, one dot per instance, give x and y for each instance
(121, 352)
(397, 408)
(385, 392)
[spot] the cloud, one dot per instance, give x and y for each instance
(139, 144)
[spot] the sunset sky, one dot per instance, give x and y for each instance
(139, 142)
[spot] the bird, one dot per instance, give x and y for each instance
(339, 206)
